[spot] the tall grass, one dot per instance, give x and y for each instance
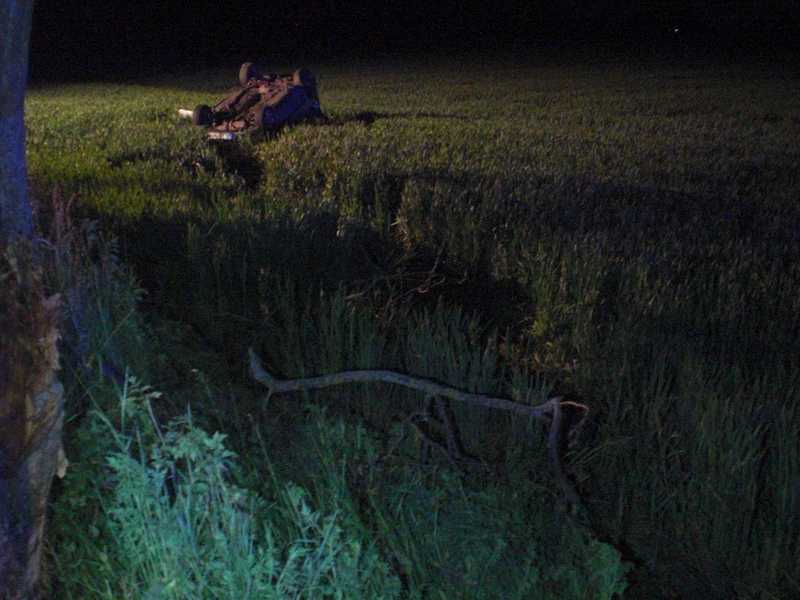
(175, 526)
(168, 520)
(625, 234)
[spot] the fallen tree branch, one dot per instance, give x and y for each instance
(549, 412)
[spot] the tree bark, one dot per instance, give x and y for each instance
(31, 418)
(31, 396)
(15, 210)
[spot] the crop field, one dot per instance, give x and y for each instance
(625, 236)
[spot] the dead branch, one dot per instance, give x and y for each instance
(549, 412)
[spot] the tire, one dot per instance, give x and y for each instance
(247, 72)
(202, 115)
(306, 78)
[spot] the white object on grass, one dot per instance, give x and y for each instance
(221, 135)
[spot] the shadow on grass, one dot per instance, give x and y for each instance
(231, 158)
(369, 117)
(452, 238)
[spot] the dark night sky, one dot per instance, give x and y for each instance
(96, 38)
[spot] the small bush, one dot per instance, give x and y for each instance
(171, 524)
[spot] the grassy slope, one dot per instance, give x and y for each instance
(641, 222)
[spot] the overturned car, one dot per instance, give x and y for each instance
(262, 102)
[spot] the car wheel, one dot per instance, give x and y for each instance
(306, 78)
(202, 115)
(247, 72)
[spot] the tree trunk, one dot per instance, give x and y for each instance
(31, 418)
(15, 211)
(31, 397)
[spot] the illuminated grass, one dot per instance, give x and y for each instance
(632, 233)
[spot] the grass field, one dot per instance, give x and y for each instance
(625, 235)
